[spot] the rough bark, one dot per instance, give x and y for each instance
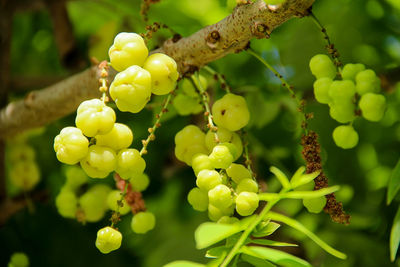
(230, 35)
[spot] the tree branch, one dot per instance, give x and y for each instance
(231, 35)
(6, 15)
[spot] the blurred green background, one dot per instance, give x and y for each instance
(364, 31)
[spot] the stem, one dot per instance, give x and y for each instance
(300, 103)
(249, 229)
(103, 66)
(330, 46)
(246, 154)
(123, 194)
(220, 77)
(156, 125)
(206, 103)
(29, 203)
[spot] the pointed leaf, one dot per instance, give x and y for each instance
(268, 229)
(395, 236)
(216, 252)
(302, 179)
(280, 176)
(184, 264)
(257, 262)
(394, 183)
(311, 194)
(272, 243)
(275, 256)
(298, 226)
(210, 233)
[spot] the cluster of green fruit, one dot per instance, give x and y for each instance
(18, 259)
(23, 170)
(140, 75)
(359, 87)
(108, 150)
(222, 185)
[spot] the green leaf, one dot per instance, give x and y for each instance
(298, 226)
(216, 252)
(394, 183)
(300, 179)
(272, 243)
(184, 264)
(281, 177)
(257, 262)
(275, 256)
(395, 236)
(311, 194)
(265, 229)
(210, 233)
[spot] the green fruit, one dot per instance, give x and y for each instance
(201, 162)
(367, 82)
(118, 138)
(92, 206)
(140, 182)
(67, 204)
(238, 172)
(321, 90)
(208, 179)
(188, 142)
(198, 199)
(164, 73)
(345, 136)
(186, 105)
(247, 185)
(343, 112)
(322, 67)
(129, 163)
(350, 71)
(108, 239)
(131, 89)
(94, 117)
(143, 222)
(224, 136)
(220, 196)
(372, 106)
(75, 177)
(113, 199)
(71, 146)
(128, 49)
(221, 157)
(19, 259)
(246, 203)
(99, 161)
(342, 91)
(25, 175)
(231, 112)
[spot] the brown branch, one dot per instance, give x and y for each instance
(6, 15)
(230, 35)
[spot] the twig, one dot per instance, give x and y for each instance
(300, 103)
(330, 47)
(219, 77)
(156, 125)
